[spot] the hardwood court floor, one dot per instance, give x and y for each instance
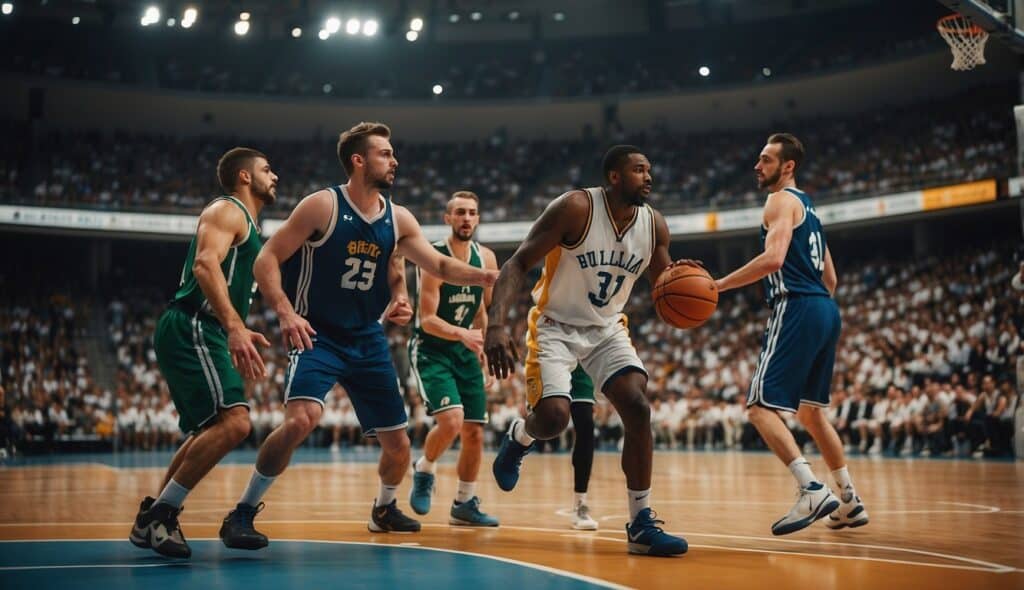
(934, 523)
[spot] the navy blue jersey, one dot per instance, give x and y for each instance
(805, 260)
(339, 282)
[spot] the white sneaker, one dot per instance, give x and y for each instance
(849, 514)
(811, 505)
(581, 520)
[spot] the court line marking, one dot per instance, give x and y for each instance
(534, 566)
(16, 568)
(985, 565)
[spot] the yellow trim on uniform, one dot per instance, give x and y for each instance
(534, 380)
(547, 276)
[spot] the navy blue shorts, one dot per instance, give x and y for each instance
(797, 354)
(362, 366)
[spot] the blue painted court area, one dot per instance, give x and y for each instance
(117, 565)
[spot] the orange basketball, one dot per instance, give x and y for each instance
(685, 296)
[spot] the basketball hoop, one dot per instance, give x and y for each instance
(966, 40)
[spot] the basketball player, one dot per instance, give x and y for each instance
(794, 373)
(330, 320)
(203, 347)
(445, 352)
(595, 244)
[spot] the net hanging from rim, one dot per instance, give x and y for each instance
(966, 40)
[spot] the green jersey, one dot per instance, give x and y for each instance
(237, 269)
(456, 304)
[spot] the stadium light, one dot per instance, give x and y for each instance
(172, 21)
(244, 16)
(411, 36)
(323, 34)
(150, 17)
(438, 89)
(514, 15)
(704, 71)
(370, 28)
(333, 25)
(476, 16)
(241, 28)
(453, 17)
(296, 32)
(766, 72)
(327, 88)
(7, 8)
(352, 26)
(75, 20)
(190, 14)
(558, 16)
(416, 24)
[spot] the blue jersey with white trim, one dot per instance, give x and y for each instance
(805, 260)
(339, 282)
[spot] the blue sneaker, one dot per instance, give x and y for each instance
(510, 459)
(468, 514)
(422, 490)
(646, 538)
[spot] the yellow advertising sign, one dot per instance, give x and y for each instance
(958, 195)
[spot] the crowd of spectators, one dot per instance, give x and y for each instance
(929, 363)
(883, 151)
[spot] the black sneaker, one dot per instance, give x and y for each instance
(389, 519)
(140, 535)
(163, 531)
(237, 531)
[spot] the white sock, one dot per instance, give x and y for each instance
(424, 465)
(844, 483)
(519, 434)
(258, 486)
(174, 494)
(801, 470)
(467, 489)
(386, 495)
(580, 498)
(638, 500)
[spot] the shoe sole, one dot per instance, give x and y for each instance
(638, 549)
(248, 546)
(138, 541)
(373, 528)
(459, 522)
(852, 525)
(823, 510)
(585, 527)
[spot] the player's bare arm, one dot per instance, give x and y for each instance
(222, 225)
(781, 213)
(399, 311)
(430, 295)
(830, 278)
(563, 222)
(416, 248)
(308, 221)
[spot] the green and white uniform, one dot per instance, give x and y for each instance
(581, 387)
(448, 374)
(192, 347)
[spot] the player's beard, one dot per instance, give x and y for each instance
(770, 180)
(381, 183)
(638, 197)
(264, 193)
(458, 235)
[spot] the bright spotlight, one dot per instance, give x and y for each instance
(323, 34)
(476, 16)
(75, 20)
(186, 24)
(172, 21)
(514, 15)
(6, 8)
(296, 32)
(453, 17)
(190, 14)
(150, 16)
(704, 71)
(370, 28)
(438, 89)
(241, 28)
(333, 25)
(244, 16)
(766, 72)
(558, 16)
(352, 26)
(416, 24)
(327, 88)
(411, 35)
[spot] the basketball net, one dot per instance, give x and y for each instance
(966, 40)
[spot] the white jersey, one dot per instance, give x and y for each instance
(589, 282)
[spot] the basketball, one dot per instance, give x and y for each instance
(685, 296)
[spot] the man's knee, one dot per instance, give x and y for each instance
(550, 418)
(235, 424)
(449, 422)
(472, 435)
